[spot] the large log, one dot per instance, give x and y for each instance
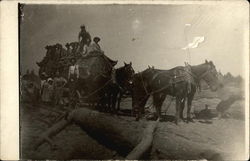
(113, 131)
(146, 142)
(117, 133)
(133, 139)
(54, 130)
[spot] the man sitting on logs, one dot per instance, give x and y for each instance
(68, 49)
(75, 47)
(95, 47)
(58, 50)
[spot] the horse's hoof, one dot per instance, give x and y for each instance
(160, 119)
(190, 120)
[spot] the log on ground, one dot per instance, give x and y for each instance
(54, 130)
(120, 134)
(146, 142)
(114, 132)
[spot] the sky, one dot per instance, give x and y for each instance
(143, 34)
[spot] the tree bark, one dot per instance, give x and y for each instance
(54, 130)
(114, 132)
(145, 143)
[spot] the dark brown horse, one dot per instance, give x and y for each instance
(180, 82)
(122, 83)
(110, 87)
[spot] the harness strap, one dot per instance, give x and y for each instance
(149, 93)
(113, 75)
(144, 85)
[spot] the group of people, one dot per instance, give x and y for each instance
(53, 83)
(83, 47)
(85, 44)
(52, 89)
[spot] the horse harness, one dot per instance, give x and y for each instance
(186, 72)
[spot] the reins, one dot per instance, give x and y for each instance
(144, 85)
(97, 90)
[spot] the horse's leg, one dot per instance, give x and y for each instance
(107, 102)
(182, 106)
(114, 99)
(158, 99)
(140, 108)
(119, 100)
(189, 105)
(177, 106)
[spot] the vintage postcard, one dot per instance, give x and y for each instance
(155, 80)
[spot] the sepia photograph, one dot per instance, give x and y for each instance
(114, 81)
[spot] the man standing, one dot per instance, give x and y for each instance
(84, 37)
(58, 50)
(73, 70)
(72, 78)
(58, 84)
(47, 91)
(68, 49)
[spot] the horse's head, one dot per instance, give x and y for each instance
(125, 75)
(211, 76)
(149, 71)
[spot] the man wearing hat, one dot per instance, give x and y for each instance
(68, 49)
(84, 37)
(58, 51)
(73, 76)
(95, 47)
(58, 84)
(47, 91)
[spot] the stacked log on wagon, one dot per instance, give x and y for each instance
(95, 69)
(58, 58)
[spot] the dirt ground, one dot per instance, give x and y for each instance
(214, 139)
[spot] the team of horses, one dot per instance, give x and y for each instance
(180, 82)
(160, 83)
(105, 91)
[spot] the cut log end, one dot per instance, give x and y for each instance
(146, 142)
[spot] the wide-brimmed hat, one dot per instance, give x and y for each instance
(82, 26)
(44, 74)
(96, 39)
(50, 79)
(73, 59)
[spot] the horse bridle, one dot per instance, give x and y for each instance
(198, 78)
(127, 81)
(204, 74)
